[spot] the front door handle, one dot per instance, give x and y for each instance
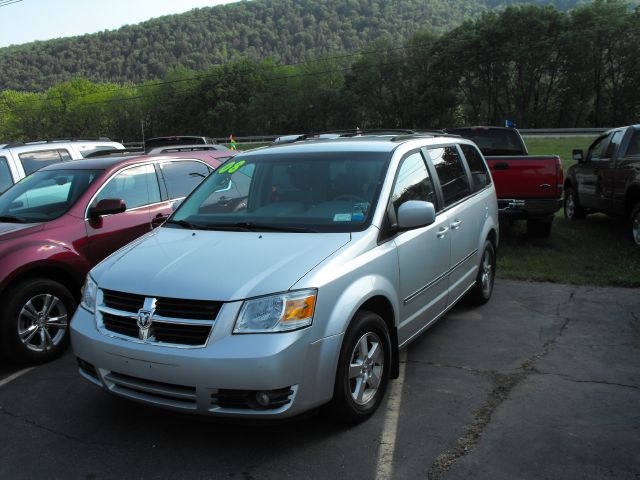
(158, 220)
(442, 232)
(456, 225)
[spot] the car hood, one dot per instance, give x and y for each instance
(215, 265)
(9, 231)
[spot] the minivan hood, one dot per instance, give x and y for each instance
(215, 265)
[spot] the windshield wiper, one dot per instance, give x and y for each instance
(11, 219)
(185, 224)
(260, 227)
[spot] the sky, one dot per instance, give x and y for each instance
(29, 20)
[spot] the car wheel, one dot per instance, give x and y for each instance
(363, 369)
(635, 224)
(35, 321)
(572, 209)
(481, 292)
(539, 228)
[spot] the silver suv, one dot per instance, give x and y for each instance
(18, 159)
(292, 276)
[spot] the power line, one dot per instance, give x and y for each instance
(9, 2)
(215, 74)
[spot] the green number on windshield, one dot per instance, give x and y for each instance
(231, 167)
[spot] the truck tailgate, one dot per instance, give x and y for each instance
(526, 176)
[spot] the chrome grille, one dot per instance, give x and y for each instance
(175, 322)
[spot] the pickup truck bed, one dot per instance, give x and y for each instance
(529, 187)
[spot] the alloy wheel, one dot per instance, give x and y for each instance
(366, 368)
(42, 322)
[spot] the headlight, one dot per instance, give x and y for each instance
(277, 313)
(89, 292)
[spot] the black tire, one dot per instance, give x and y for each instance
(571, 206)
(34, 321)
(635, 224)
(481, 292)
(539, 228)
(344, 407)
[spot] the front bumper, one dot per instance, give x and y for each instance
(300, 369)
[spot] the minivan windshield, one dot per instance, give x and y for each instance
(310, 192)
(44, 195)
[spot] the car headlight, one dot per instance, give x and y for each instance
(277, 313)
(89, 293)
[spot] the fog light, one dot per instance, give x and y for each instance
(263, 399)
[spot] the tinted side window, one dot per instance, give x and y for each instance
(451, 173)
(137, 186)
(182, 177)
(32, 161)
(5, 175)
(597, 150)
(614, 143)
(479, 173)
(634, 144)
(413, 182)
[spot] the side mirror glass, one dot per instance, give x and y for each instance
(416, 214)
(107, 206)
(578, 155)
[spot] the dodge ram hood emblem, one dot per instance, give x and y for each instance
(144, 323)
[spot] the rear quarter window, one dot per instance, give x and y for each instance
(6, 180)
(479, 173)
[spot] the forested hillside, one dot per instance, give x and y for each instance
(287, 31)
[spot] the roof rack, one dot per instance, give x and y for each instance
(186, 148)
(56, 140)
(115, 153)
(354, 132)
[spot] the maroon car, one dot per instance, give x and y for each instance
(62, 220)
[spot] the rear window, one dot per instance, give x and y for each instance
(32, 161)
(493, 141)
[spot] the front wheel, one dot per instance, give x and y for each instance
(635, 224)
(572, 209)
(363, 369)
(481, 292)
(34, 323)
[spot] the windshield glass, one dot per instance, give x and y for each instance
(326, 192)
(493, 141)
(44, 195)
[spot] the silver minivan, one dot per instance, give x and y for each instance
(292, 276)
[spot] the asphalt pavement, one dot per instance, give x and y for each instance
(541, 383)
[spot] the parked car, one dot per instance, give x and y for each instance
(529, 187)
(188, 148)
(19, 159)
(176, 140)
(607, 179)
(63, 219)
(291, 277)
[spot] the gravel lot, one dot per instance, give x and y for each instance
(543, 382)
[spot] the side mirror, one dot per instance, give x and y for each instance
(578, 155)
(416, 214)
(107, 206)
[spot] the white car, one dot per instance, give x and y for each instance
(18, 159)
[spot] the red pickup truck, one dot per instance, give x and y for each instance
(529, 187)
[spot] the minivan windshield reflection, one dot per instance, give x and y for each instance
(318, 192)
(44, 195)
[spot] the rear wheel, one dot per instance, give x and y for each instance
(635, 224)
(572, 209)
(481, 292)
(363, 369)
(34, 323)
(539, 228)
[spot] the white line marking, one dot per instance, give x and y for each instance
(12, 377)
(386, 450)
